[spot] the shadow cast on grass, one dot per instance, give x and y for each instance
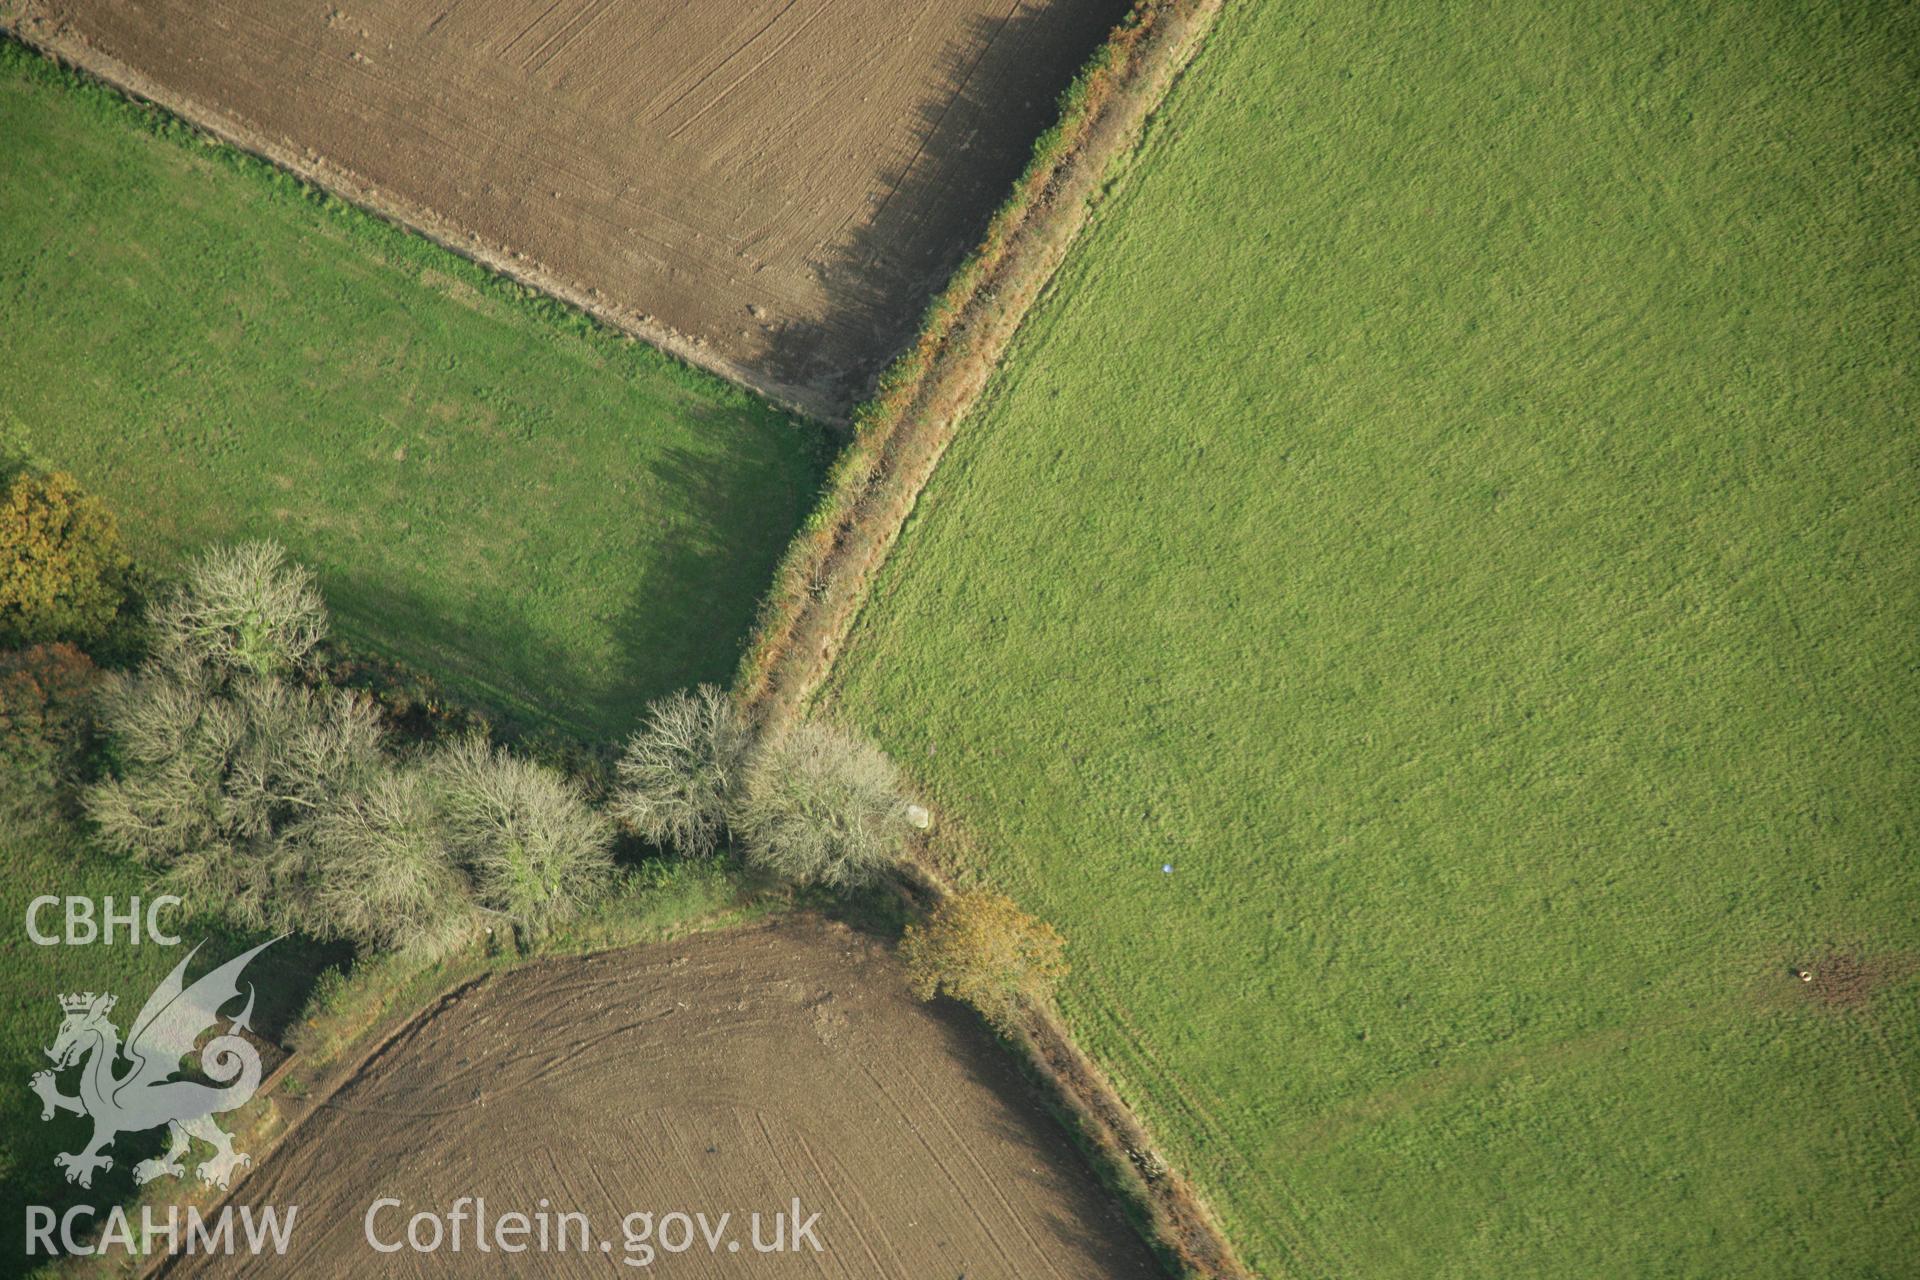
(684, 616)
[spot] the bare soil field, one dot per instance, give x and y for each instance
(771, 188)
(724, 1073)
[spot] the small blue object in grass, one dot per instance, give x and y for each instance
(1167, 867)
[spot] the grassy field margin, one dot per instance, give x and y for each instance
(899, 437)
(900, 434)
(179, 379)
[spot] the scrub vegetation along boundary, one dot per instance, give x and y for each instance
(900, 434)
(899, 438)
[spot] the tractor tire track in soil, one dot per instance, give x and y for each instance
(771, 189)
(748, 1067)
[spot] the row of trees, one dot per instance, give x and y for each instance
(813, 805)
(246, 783)
(245, 780)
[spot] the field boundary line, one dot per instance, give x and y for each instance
(899, 438)
(1124, 1154)
(900, 435)
(58, 41)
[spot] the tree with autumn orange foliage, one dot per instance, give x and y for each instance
(46, 694)
(979, 947)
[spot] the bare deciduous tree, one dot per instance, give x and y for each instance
(222, 761)
(380, 869)
(243, 609)
(215, 777)
(279, 802)
(682, 771)
(538, 853)
(820, 806)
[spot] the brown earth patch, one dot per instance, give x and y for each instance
(771, 188)
(1840, 980)
(727, 1072)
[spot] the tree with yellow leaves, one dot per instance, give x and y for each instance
(63, 573)
(979, 947)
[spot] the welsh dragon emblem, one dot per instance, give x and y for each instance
(145, 1095)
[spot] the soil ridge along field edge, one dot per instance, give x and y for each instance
(900, 437)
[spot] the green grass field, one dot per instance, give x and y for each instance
(555, 521)
(1457, 507)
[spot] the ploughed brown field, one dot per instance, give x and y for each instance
(724, 1073)
(771, 188)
